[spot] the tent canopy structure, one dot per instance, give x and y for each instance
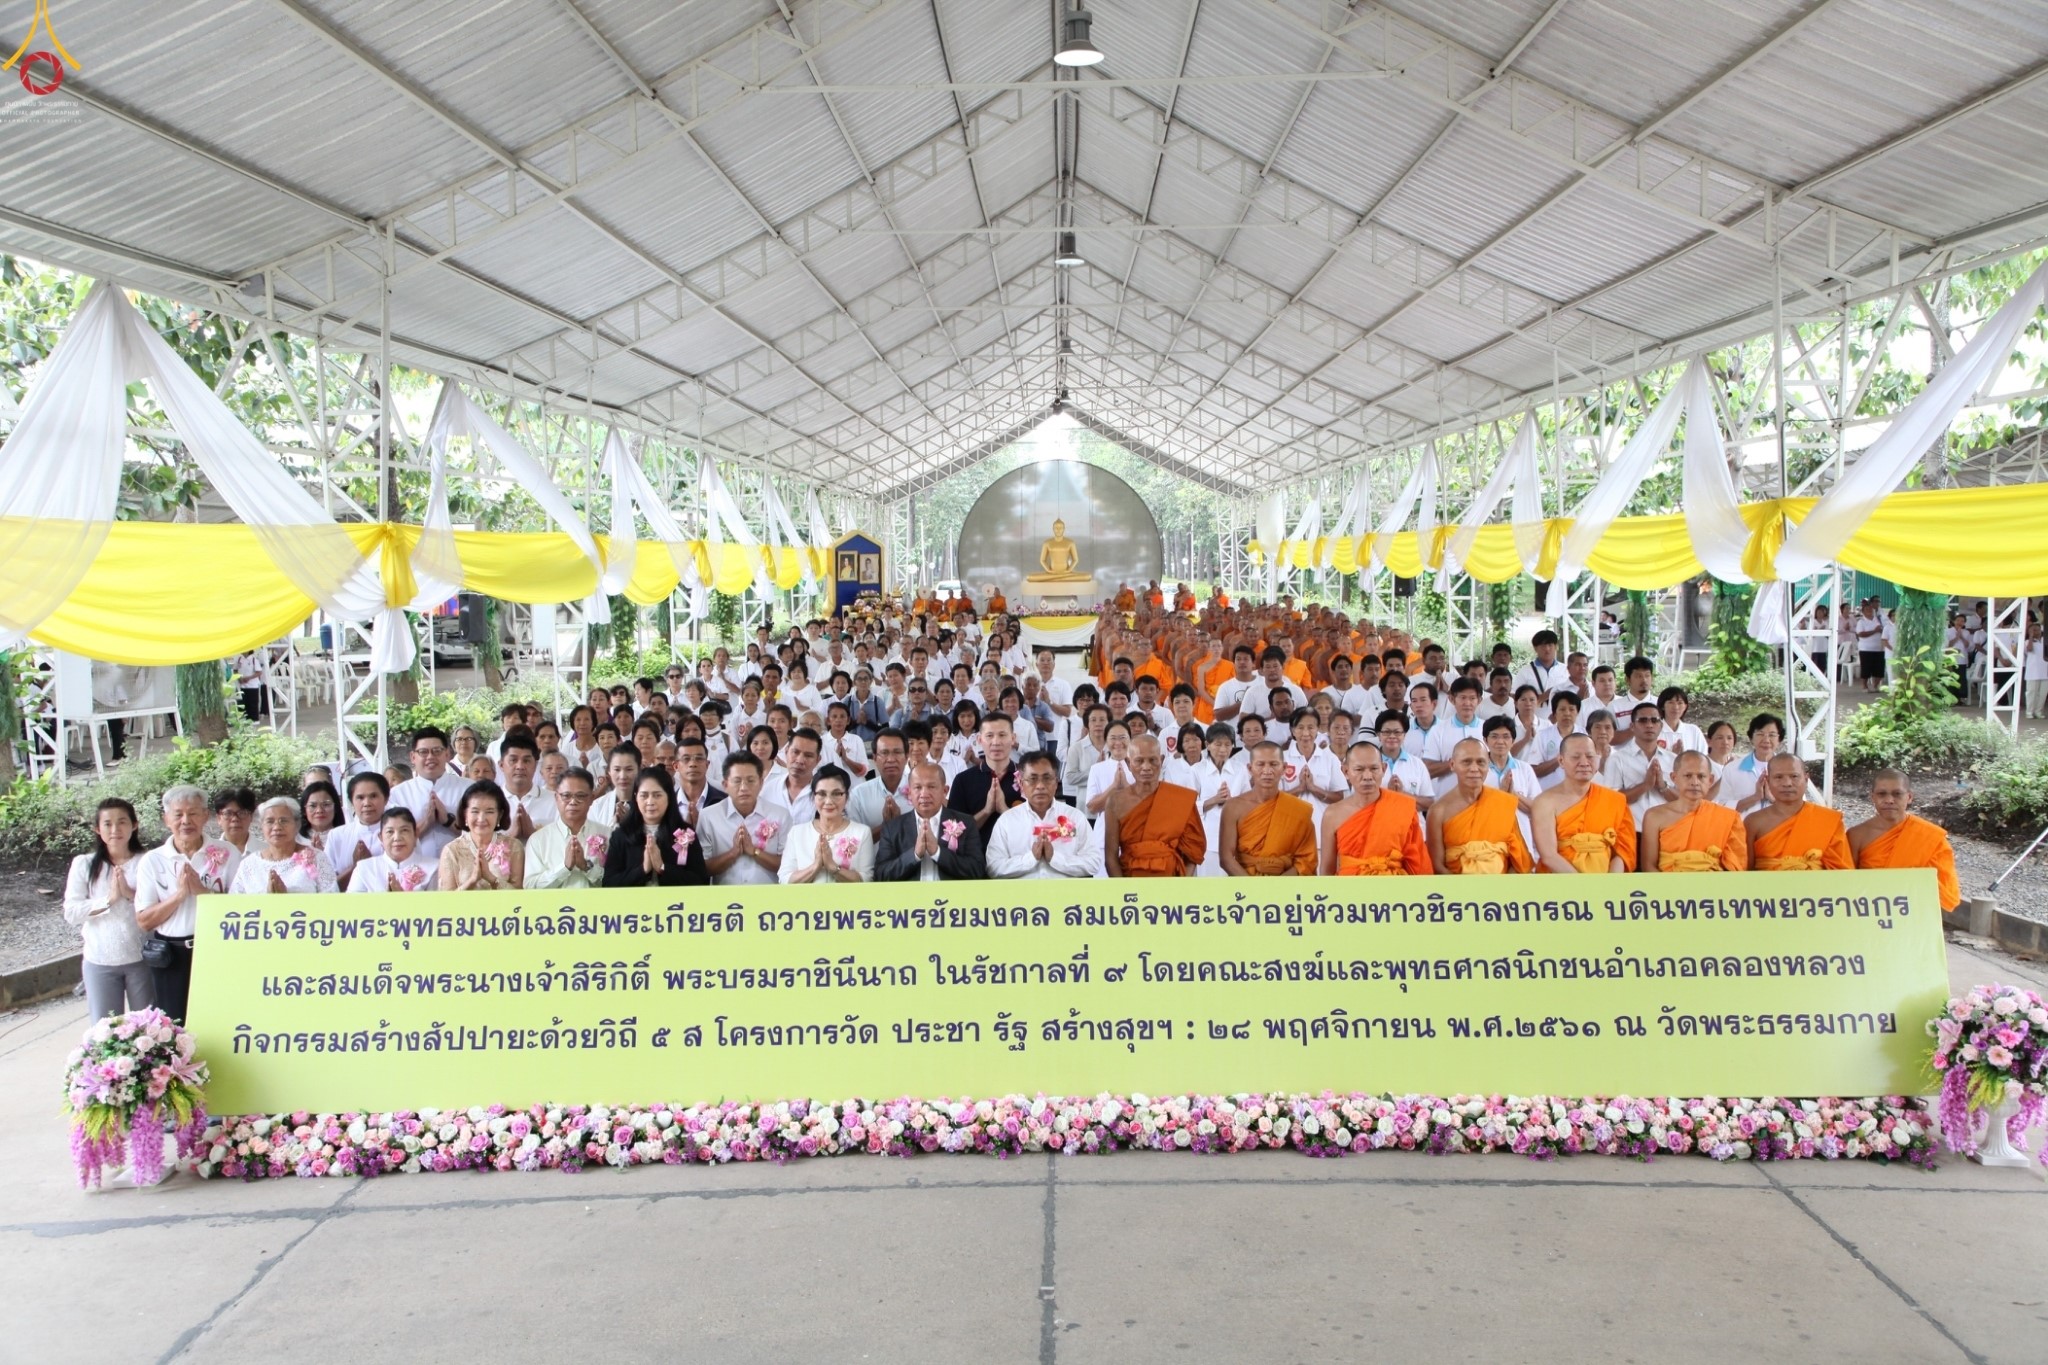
(821, 233)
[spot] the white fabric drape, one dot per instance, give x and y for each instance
(1713, 512)
(437, 576)
(779, 524)
(1421, 486)
(1604, 504)
(455, 414)
(1351, 521)
(1298, 547)
(1818, 540)
(61, 478)
(1516, 471)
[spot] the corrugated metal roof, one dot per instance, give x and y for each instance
(1233, 310)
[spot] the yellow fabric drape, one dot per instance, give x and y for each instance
(165, 594)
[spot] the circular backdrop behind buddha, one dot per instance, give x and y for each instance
(1058, 531)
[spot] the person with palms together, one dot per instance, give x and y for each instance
(483, 857)
(278, 863)
(829, 846)
(652, 846)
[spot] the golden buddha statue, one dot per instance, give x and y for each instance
(1060, 558)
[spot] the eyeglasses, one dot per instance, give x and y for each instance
(427, 751)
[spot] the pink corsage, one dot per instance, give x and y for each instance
(212, 859)
(412, 878)
(950, 831)
(843, 849)
(766, 830)
(684, 838)
(303, 860)
(1058, 830)
(499, 856)
(593, 847)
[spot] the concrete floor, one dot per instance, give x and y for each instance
(1129, 1259)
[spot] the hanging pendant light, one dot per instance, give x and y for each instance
(1068, 253)
(1075, 47)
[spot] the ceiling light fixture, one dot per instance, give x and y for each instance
(1066, 345)
(1075, 47)
(1068, 253)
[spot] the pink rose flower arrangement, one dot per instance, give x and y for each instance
(1991, 1045)
(766, 830)
(499, 857)
(571, 1137)
(843, 847)
(683, 839)
(130, 1081)
(950, 831)
(412, 878)
(593, 847)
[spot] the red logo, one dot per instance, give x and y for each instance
(43, 70)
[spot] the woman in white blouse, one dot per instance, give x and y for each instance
(277, 861)
(829, 847)
(99, 900)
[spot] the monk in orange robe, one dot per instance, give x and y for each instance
(1184, 600)
(1126, 600)
(1691, 833)
(1373, 833)
(1267, 832)
(1472, 827)
(1793, 834)
(1579, 825)
(1895, 838)
(997, 603)
(1152, 828)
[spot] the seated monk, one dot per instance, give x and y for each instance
(1267, 832)
(1793, 834)
(1184, 600)
(997, 603)
(1373, 833)
(1691, 833)
(1472, 827)
(1152, 828)
(1895, 838)
(1126, 600)
(1579, 825)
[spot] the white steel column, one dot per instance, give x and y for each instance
(2005, 640)
(1810, 686)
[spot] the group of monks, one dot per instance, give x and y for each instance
(1154, 828)
(1577, 826)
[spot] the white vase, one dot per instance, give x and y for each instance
(1995, 1148)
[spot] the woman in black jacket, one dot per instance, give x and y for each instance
(651, 846)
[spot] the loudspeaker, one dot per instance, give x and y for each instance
(1403, 587)
(475, 625)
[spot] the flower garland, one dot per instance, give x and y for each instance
(132, 1079)
(570, 1137)
(1990, 1045)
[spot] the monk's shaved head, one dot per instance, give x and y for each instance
(1885, 775)
(1693, 758)
(1783, 762)
(1565, 747)
(1459, 750)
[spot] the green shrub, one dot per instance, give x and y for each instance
(2011, 790)
(477, 706)
(1714, 696)
(40, 819)
(1876, 736)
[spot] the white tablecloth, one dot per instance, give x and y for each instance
(1059, 632)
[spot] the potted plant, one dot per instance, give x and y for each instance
(130, 1081)
(1991, 1052)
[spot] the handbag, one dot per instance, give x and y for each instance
(159, 953)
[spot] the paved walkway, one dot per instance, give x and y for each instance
(1130, 1259)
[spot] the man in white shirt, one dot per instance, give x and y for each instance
(1058, 692)
(1028, 840)
(1641, 771)
(792, 791)
(568, 853)
(433, 794)
(1347, 695)
(518, 762)
(1543, 672)
(169, 880)
(1229, 699)
(885, 795)
(1500, 696)
(742, 836)
(1272, 678)
(1462, 724)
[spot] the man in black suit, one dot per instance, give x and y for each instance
(934, 843)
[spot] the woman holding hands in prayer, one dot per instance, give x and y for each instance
(829, 847)
(651, 846)
(483, 857)
(277, 861)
